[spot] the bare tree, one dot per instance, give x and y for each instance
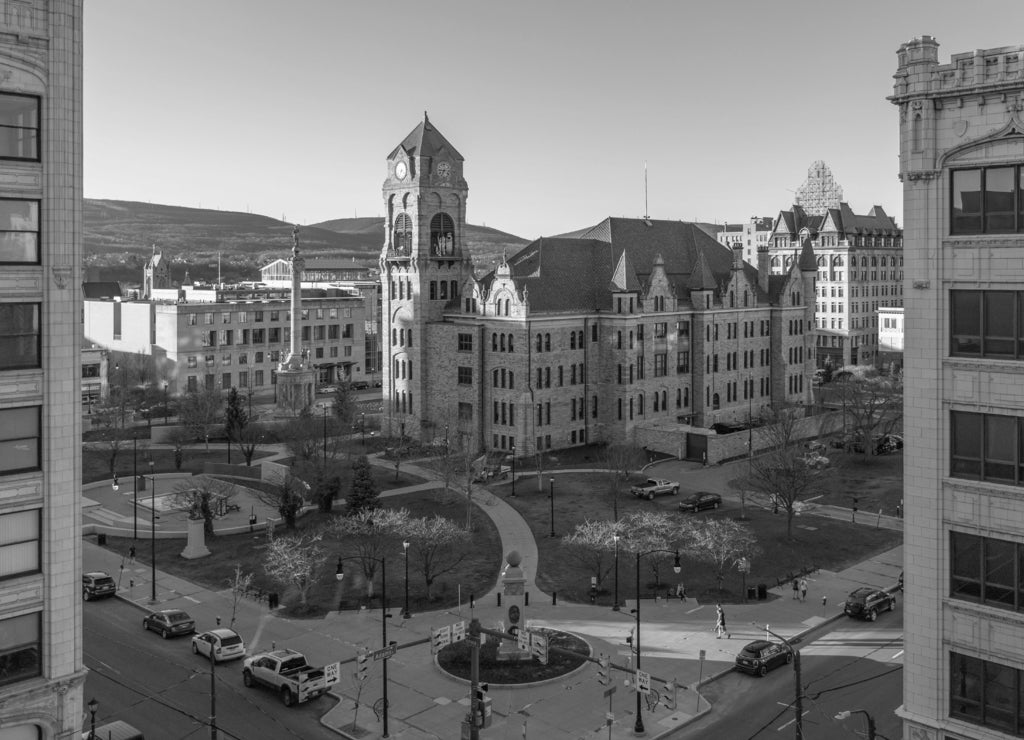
(368, 536)
(592, 545)
(722, 543)
(303, 436)
(248, 439)
(872, 405)
(202, 496)
(240, 583)
(619, 460)
(295, 560)
(287, 497)
(782, 471)
(200, 410)
(108, 420)
(178, 437)
(436, 546)
(344, 404)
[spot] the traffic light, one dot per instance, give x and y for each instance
(362, 664)
(481, 691)
(669, 695)
(604, 670)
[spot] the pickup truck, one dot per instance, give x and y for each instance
(287, 672)
(654, 487)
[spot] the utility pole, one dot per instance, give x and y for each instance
(213, 693)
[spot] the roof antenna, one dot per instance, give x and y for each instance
(647, 218)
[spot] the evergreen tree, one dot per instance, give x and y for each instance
(364, 493)
(235, 418)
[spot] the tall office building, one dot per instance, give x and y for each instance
(41, 670)
(962, 167)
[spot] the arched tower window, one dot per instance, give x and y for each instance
(401, 239)
(442, 234)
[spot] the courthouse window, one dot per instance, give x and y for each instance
(987, 200)
(986, 693)
(987, 323)
(19, 126)
(19, 439)
(19, 336)
(21, 655)
(19, 231)
(19, 543)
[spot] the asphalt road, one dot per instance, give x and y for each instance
(161, 688)
(856, 665)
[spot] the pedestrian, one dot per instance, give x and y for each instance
(681, 592)
(720, 623)
(796, 589)
(131, 554)
(803, 589)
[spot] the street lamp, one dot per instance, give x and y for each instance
(405, 551)
(124, 387)
(324, 406)
(638, 727)
(152, 533)
(798, 700)
(339, 575)
(845, 714)
(551, 482)
(513, 470)
(135, 487)
(615, 601)
(93, 706)
(166, 409)
(362, 428)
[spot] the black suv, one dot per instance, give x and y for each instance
(865, 603)
(97, 584)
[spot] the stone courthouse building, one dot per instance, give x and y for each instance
(962, 167)
(633, 329)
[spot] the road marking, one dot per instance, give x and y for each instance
(194, 601)
(897, 655)
(697, 609)
(780, 728)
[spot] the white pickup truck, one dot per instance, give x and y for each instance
(655, 487)
(287, 672)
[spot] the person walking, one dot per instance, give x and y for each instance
(803, 589)
(720, 628)
(796, 589)
(131, 554)
(681, 592)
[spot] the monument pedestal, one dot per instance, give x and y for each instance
(196, 545)
(295, 386)
(513, 583)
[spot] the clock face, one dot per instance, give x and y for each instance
(400, 170)
(443, 170)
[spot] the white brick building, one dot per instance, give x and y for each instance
(962, 167)
(41, 669)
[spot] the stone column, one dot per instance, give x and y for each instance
(513, 584)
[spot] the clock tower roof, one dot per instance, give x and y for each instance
(426, 141)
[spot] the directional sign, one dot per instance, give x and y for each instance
(539, 647)
(384, 653)
(523, 640)
(643, 682)
(459, 631)
(440, 637)
(332, 673)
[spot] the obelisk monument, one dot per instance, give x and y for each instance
(295, 375)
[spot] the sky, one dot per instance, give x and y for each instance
(290, 109)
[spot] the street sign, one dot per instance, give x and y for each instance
(523, 640)
(459, 631)
(332, 673)
(384, 653)
(609, 717)
(440, 637)
(643, 682)
(703, 654)
(539, 647)
(610, 690)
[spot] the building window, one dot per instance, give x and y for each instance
(465, 376)
(986, 447)
(987, 571)
(19, 126)
(660, 365)
(465, 342)
(20, 551)
(442, 234)
(987, 200)
(402, 236)
(21, 653)
(986, 693)
(19, 336)
(19, 230)
(20, 439)
(987, 323)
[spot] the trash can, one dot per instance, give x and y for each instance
(272, 600)
(762, 592)
(101, 539)
(751, 593)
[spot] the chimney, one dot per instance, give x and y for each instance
(737, 255)
(763, 266)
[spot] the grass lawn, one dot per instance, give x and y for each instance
(818, 542)
(456, 659)
(875, 480)
(476, 573)
(96, 466)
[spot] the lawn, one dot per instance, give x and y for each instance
(875, 480)
(476, 574)
(817, 542)
(96, 466)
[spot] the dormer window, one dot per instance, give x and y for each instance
(442, 234)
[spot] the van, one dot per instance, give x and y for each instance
(114, 731)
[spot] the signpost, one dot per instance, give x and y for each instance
(384, 653)
(643, 682)
(332, 673)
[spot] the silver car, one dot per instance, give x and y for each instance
(226, 644)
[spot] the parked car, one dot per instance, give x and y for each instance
(169, 623)
(888, 443)
(867, 601)
(700, 501)
(97, 585)
(224, 643)
(327, 389)
(760, 656)
(654, 487)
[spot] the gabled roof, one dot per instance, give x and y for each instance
(426, 141)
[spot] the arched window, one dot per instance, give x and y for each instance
(401, 239)
(664, 400)
(547, 342)
(508, 304)
(495, 381)
(572, 340)
(686, 398)
(502, 342)
(863, 261)
(442, 234)
(511, 379)
(776, 262)
(746, 298)
(716, 402)
(679, 398)
(540, 343)
(655, 402)
(494, 342)
(640, 404)
(732, 300)
(579, 339)
(874, 261)
(618, 343)
(510, 347)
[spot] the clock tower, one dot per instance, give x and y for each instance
(422, 266)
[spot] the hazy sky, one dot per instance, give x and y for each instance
(289, 109)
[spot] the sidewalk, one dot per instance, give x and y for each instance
(427, 704)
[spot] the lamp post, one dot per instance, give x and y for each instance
(362, 428)
(152, 533)
(798, 700)
(845, 714)
(166, 409)
(339, 575)
(405, 551)
(638, 727)
(551, 484)
(93, 706)
(513, 470)
(325, 431)
(135, 487)
(124, 387)
(615, 601)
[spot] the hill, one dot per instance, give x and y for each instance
(120, 235)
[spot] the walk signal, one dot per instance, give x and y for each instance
(115, 485)
(481, 691)
(604, 671)
(362, 664)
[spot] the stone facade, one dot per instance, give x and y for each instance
(42, 671)
(580, 338)
(959, 122)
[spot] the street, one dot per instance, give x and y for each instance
(161, 688)
(857, 665)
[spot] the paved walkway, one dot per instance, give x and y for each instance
(677, 639)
